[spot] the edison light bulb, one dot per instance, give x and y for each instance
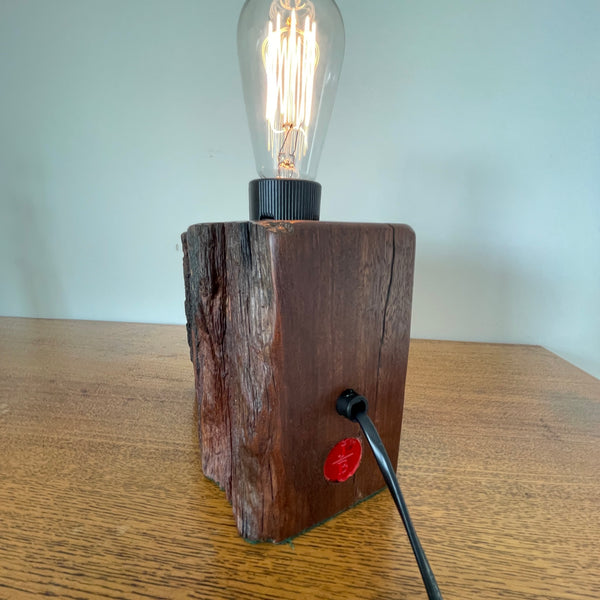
(290, 54)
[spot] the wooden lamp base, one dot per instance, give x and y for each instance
(283, 316)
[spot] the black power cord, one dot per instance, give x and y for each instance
(353, 406)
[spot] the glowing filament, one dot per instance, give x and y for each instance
(290, 56)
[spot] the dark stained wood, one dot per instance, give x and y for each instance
(102, 493)
(282, 317)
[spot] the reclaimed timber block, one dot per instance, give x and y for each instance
(282, 316)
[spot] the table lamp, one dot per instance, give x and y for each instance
(284, 312)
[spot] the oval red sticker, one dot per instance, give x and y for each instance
(343, 460)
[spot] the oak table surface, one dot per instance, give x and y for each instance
(102, 494)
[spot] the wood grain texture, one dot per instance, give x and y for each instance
(102, 493)
(283, 317)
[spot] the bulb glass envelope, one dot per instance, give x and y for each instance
(290, 54)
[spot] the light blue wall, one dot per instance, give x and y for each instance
(476, 122)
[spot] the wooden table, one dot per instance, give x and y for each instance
(102, 494)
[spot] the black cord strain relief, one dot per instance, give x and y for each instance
(350, 404)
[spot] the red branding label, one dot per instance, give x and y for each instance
(343, 460)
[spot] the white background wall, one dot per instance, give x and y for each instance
(475, 121)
